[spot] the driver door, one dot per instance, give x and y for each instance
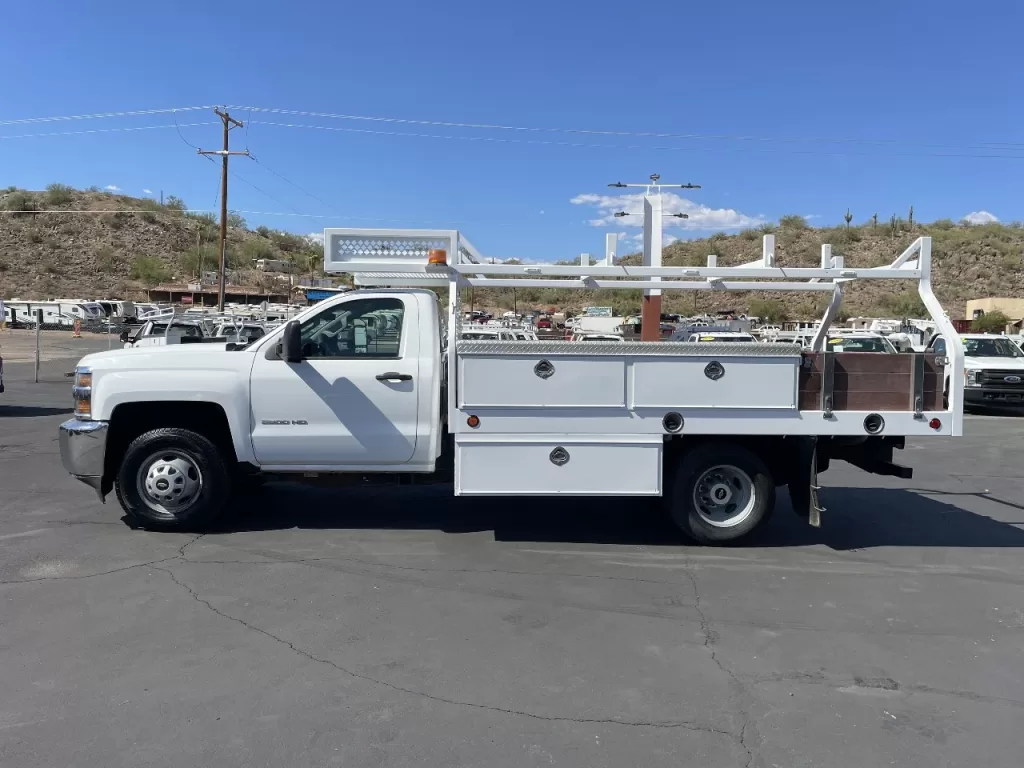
(352, 401)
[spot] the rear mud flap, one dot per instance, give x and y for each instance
(803, 483)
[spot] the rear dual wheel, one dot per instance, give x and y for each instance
(720, 493)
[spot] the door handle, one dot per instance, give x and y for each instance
(393, 376)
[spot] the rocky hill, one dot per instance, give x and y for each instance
(70, 242)
(88, 243)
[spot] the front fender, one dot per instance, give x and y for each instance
(228, 389)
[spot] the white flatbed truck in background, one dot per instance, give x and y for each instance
(339, 394)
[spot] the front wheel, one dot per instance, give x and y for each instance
(173, 480)
(721, 493)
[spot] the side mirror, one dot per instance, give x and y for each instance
(291, 343)
(124, 336)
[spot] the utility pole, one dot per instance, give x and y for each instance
(229, 123)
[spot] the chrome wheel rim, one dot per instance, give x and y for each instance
(169, 482)
(724, 496)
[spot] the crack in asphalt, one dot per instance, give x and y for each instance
(682, 724)
(89, 575)
(79, 577)
(710, 640)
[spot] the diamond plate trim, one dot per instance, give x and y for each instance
(653, 348)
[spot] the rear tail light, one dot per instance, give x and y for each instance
(935, 424)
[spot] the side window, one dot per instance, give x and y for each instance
(939, 346)
(353, 329)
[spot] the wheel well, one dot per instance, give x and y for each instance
(776, 451)
(129, 420)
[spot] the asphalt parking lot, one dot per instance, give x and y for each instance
(404, 627)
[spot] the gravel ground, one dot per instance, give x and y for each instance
(404, 627)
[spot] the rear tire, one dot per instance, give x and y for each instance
(721, 493)
(173, 480)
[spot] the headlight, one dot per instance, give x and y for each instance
(971, 377)
(82, 392)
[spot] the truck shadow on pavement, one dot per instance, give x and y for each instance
(855, 518)
(29, 411)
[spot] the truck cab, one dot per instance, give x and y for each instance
(354, 388)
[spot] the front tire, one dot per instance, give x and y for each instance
(721, 493)
(173, 480)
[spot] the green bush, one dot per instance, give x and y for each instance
(258, 248)
(792, 221)
(19, 201)
(148, 205)
(767, 229)
(769, 310)
(149, 270)
(904, 305)
(201, 259)
(58, 194)
(175, 203)
(991, 322)
(235, 221)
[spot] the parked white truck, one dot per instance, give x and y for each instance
(336, 392)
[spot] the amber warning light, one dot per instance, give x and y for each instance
(438, 256)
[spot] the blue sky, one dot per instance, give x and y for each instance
(925, 95)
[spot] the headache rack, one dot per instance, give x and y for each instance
(400, 258)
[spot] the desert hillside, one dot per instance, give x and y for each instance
(71, 243)
(50, 246)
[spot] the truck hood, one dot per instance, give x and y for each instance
(174, 356)
(1000, 363)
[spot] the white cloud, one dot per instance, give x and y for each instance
(701, 217)
(147, 191)
(542, 213)
(316, 237)
(980, 217)
(112, 188)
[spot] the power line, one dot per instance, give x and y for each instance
(102, 130)
(638, 134)
(591, 145)
(294, 184)
(100, 115)
(263, 191)
(982, 145)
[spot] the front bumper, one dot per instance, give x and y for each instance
(83, 446)
(997, 396)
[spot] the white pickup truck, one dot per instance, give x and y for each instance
(377, 385)
(993, 370)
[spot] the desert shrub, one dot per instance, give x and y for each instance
(58, 194)
(149, 270)
(770, 310)
(175, 203)
(19, 201)
(792, 221)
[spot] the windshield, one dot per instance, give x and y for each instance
(857, 344)
(177, 329)
(995, 347)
